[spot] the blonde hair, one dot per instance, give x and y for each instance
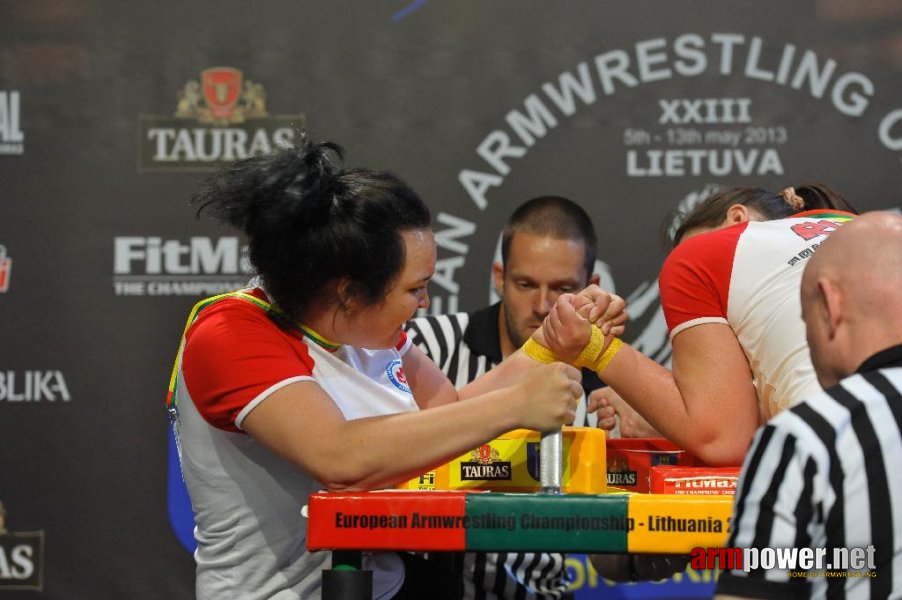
(792, 199)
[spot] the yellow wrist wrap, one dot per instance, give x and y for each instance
(592, 351)
(605, 359)
(538, 352)
(594, 356)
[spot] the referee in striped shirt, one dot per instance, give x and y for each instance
(548, 248)
(827, 474)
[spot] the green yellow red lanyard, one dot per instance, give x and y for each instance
(171, 400)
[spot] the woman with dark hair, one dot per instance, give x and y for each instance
(762, 205)
(730, 295)
(306, 380)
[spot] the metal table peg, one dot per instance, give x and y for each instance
(551, 459)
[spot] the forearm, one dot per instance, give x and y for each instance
(381, 451)
(303, 424)
(707, 404)
(542, 397)
(504, 375)
(653, 392)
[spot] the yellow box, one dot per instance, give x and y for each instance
(510, 463)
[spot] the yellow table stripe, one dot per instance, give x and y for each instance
(667, 523)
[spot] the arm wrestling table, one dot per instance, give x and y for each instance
(489, 521)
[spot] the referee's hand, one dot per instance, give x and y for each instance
(611, 408)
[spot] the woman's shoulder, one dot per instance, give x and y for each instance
(712, 251)
(230, 315)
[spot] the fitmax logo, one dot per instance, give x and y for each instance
(158, 267)
(200, 256)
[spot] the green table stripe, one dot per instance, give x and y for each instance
(567, 523)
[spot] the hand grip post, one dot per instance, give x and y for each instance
(551, 459)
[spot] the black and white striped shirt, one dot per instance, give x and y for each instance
(465, 346)
(827, 474)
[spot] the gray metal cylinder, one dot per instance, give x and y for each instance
(551, 461)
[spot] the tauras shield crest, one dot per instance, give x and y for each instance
(485, 454)
(222, 88)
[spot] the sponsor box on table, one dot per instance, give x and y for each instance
(696, 481)
(510, 463)
(629, 461)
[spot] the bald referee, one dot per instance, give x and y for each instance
(826, 474)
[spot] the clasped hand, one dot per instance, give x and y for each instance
(568, 326)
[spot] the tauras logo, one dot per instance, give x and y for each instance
(500, 470)
(22, 561)
(163, 267)
(11, 137)
(33, 386)
(622, 478)
(485, 464)
(219, 119)
(21, 558)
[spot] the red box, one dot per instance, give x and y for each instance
(629, 461)
(696, 481)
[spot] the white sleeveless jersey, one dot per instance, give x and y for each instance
(749, 277)
(251, 537)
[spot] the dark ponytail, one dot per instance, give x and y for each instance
(310, 223)
(819, 195)
(712, 211)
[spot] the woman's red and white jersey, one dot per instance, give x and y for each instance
(748, 276)
(247, 501)
(235, 357)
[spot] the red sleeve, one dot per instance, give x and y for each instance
(402, 342)
(234, 353)
(695, 278)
